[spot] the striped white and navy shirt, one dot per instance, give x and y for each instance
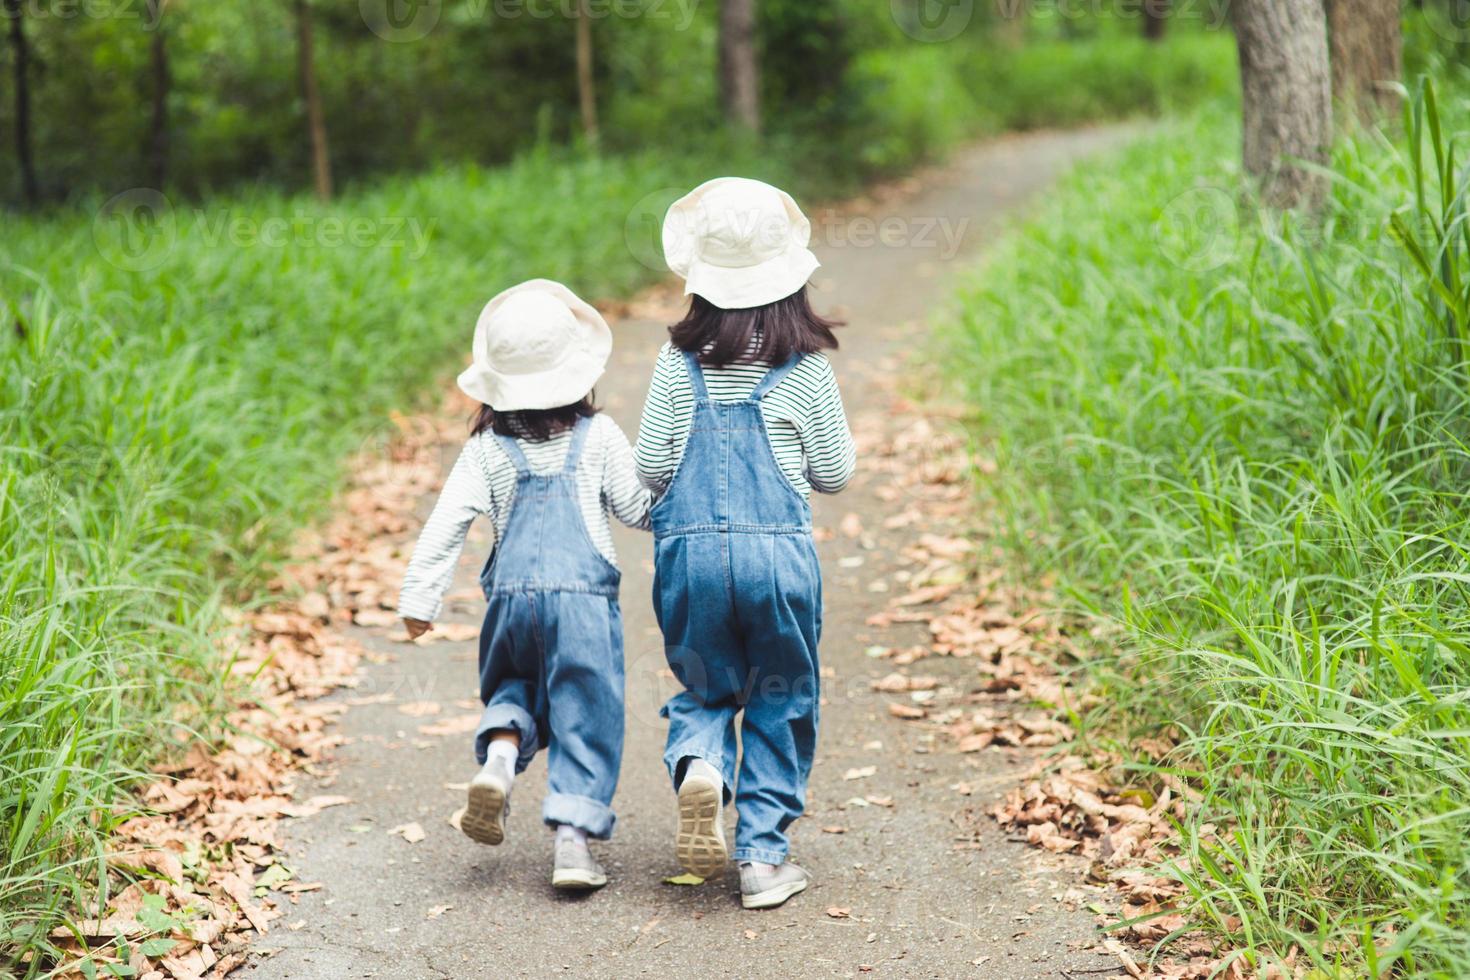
(804, 417)
(483, 483)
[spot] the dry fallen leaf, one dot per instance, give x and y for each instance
(412, 832)
(834, 829)
(437, 910)
(419, 709)
(861, 772)
(838, 912)
(462, 725)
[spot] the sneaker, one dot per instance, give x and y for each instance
(484, 816)
(762, 889)
(576, 869)
(700, 844)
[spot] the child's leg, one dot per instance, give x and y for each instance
(696, 614)
(780, 607)
(510, 679)
(584, 684)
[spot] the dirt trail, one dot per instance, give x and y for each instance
(919, 906)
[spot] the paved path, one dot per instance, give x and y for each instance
(920, 908)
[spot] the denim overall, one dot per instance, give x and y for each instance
(738, 594)
(551, 648)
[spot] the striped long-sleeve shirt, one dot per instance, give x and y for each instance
(483, 483)
(804, 416)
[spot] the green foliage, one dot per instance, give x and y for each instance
(484, 80)
(1246, 440)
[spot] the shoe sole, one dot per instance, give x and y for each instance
(576, 879)
(484, 816)
(772, 897)
(700, 844)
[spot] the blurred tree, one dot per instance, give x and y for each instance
(1286, 97)
(155, 149)
(21, 53)
(739, 64)
(1366, 43)
(806, 51)
(1155, 18)
(321, 163)
(586, 84)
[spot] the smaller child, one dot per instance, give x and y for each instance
(546, 469)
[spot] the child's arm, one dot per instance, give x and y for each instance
(465, 496)
(655, 452)
(622, 494)
(826, 438)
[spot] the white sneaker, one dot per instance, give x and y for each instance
(762, 889)
(575, 868)
(484, 816)
(700, 844)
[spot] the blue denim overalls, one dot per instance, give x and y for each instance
(551, 649)
(738, 594)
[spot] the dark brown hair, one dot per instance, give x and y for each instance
(534, 424)
(770, 333)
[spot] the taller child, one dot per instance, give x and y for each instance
(743, 420)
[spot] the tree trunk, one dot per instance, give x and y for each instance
(320, 158)
(1155, 17)
(1367, 55)
(1286, 96)
(155, 151)
(586, 85)
(739, 67)
(24, 155)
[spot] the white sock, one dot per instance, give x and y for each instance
(760, 866)
(506, 752)
(565, 832)
(698, 766)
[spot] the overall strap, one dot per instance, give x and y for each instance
(696, 377)
(775, 377)
(513, 450)
(580, 428)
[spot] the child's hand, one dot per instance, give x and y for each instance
(416, 627)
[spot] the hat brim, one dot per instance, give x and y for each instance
(566, 384)
(755, 285)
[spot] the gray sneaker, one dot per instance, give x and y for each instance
(761, 889)
(484, 816)
(700, 842)
(576, 869)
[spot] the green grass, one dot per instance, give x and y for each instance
(183, 384)
(1245, 440)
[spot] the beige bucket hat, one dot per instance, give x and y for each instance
(739, 243)
(537, 345)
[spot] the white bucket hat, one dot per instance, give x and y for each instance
(537, 345)
(739, 243)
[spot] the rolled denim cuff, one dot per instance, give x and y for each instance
(586, 814)
(759, 854)
(503, 715)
